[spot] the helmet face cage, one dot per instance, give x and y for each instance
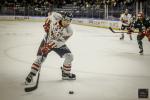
(67, 16)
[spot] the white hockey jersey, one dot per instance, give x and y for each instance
(126, 19)
(58, 33)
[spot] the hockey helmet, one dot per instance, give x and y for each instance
(67, 16)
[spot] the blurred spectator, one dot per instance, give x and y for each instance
(115, 7)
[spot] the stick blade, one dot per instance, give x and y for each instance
(29, 89)
(111, 30)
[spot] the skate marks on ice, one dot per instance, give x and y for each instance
(12, 51)
(90, 87)
(96, 79)
(87, 83)
(15, 34)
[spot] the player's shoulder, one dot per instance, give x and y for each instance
(55, 16)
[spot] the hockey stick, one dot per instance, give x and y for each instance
(29, 89)
(110, 28)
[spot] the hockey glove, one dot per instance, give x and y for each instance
(48, 47)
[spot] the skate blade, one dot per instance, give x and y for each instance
(67, 78)
(121, 39)
(141, 53)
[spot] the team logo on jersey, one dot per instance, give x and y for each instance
(56, 31)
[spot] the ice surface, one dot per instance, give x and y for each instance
(106, 68)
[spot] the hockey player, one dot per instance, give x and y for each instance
(126, 22)
(143, 25)
(57, 27)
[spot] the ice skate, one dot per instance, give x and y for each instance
(122, 37)
(68, 76)
(141, 51)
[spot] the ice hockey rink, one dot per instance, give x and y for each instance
(106, 68)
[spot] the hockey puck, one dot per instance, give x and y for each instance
(71, 92)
